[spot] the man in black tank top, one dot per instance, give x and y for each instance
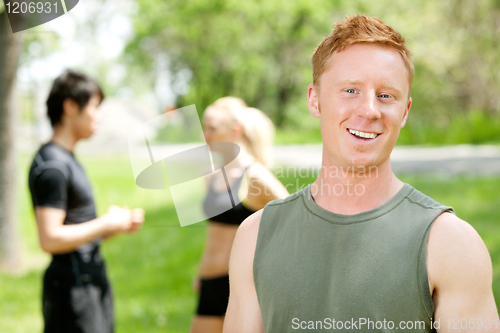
(76, 293)
(359, 250)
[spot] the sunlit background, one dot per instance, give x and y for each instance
(157, 54)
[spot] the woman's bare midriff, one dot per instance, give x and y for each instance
(220, 237)
(215, 260)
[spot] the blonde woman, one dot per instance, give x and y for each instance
(230, 120)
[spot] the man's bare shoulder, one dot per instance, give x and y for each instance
(249, 228)
(456, 251)
(243, 312)
(242, 252)
(450, 231)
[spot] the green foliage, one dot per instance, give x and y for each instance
(291, 135)
(38, 44)
(260, 51)
(476, 127)
(255, 50)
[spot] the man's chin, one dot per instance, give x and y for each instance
(88, 135)
(364, 162)
(361, 166)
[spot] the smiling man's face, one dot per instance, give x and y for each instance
(363, 102)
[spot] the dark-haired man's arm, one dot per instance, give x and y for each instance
(56, 237)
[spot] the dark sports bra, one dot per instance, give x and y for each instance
(225, 206)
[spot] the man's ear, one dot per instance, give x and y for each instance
(313, 101)
(70, 107)
(407, 110)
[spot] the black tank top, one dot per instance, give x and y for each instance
(227, 202)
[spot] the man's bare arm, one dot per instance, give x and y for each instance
(56, 238)
(460, 276)
(243, 312)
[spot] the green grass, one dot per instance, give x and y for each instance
(152, 271)
(474, 127)
(291, 135)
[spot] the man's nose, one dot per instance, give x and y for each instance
(369, 108)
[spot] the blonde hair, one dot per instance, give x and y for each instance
(354, 30)
(258, 129)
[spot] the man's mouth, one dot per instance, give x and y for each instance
(363, 135)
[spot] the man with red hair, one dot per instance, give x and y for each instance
(358, 249)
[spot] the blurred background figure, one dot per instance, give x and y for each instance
(76, 293)
(229, 120)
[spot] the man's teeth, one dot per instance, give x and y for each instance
(363, 134)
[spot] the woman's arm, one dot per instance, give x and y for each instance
(263, 187)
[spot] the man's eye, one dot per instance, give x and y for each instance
(351, 91)
(385, 95)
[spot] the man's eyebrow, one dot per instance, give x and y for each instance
(349, 82)
(391, 87)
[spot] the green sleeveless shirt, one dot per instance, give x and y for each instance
(315, 270)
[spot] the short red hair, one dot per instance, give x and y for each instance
(355, 30)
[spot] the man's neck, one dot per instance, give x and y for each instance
(64, 138)
(351, 190)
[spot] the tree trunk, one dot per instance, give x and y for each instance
(9, 55)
